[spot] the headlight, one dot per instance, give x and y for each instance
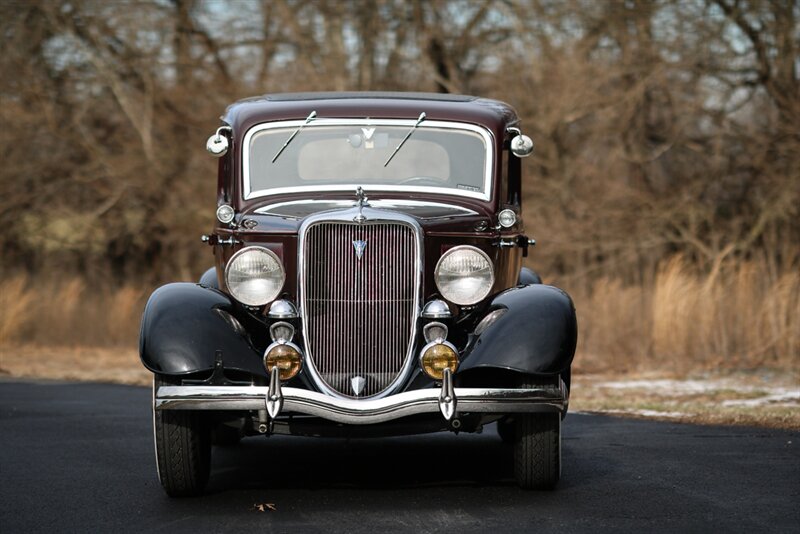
(464, 275)
(254, 276)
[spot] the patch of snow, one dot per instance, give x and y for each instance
(644, 413)
(683, 387)
(665, 385)
(784, 398)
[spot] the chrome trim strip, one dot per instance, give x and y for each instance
(380, 203)
(360, 412)
(373, 217)
(487, 136)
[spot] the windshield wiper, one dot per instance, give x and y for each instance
(311, 117)
(411, 131)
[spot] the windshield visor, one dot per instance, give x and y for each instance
(449, 158)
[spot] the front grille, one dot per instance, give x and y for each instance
(359, 313)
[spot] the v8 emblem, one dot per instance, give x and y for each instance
(359, 246)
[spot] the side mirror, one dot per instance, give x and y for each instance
(521, 146)
(217, 144)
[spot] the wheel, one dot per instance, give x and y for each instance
(537, 450)
(506, 429)
(183, 447)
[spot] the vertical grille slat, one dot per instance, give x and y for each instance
(359, 313)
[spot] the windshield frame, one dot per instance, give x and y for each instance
(485, 133)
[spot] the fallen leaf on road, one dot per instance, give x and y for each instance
(263, 507)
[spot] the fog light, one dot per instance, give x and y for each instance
(436, 357)
(286, 357)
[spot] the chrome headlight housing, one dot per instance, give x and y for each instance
(254, 276)
(464, 275)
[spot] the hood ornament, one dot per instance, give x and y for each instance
(357, 383)
(362, 202)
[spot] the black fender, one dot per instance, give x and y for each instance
(209, 279)
(529, 276)
(536, 335)
(185, 324)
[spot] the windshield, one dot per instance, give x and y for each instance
(441, 157)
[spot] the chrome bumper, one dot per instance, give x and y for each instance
(277, 400)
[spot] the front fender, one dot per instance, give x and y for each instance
(537, 335)
(185, 324)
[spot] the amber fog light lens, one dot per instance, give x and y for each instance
(438, 357)
(286, 358)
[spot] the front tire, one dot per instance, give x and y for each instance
(183, 447)
(506, 429)
(537, 450)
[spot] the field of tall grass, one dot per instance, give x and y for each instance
(684, 321)
(736, 317)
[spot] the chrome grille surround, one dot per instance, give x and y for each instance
(330, 330)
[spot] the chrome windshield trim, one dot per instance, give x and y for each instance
(374, 216)
(488, 139)
(367, 411)
(380, 203)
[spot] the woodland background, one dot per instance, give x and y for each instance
(664, 190)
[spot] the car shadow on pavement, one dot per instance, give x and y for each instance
(408, 461)
(429, 460)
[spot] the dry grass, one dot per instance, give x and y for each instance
(15, 308)
(733, 318)
(87, 364)
(72, 312)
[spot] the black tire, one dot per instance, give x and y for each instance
(537, 450)
(506, 429)
(183, 448)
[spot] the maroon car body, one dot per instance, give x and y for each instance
(382, 304)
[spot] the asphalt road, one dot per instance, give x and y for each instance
(79, 457)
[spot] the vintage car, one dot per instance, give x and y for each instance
(368, 281)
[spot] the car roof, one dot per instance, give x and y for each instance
(492, 114)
